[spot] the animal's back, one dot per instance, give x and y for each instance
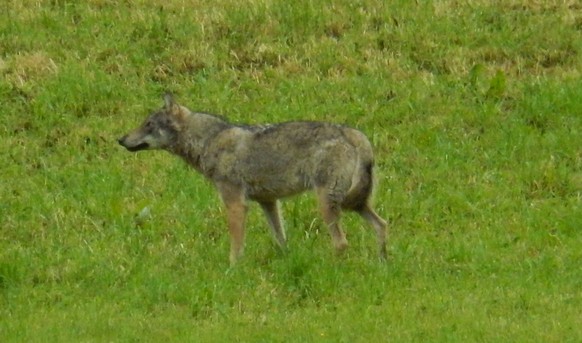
(283, 159)
(304, 137)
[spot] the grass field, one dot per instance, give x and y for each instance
(474, 109)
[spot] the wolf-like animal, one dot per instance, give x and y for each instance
(265, 163)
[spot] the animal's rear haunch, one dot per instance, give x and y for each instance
(268, 162)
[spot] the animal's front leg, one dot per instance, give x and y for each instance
(235, 202)
(272, 211)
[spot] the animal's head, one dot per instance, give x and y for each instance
(159, 130)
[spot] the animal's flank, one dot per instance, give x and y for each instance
(265, 163)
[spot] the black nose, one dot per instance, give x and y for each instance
(121, 140)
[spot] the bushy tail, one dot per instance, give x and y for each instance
(360, 194)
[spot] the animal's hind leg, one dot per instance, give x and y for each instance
(379, 224)
(331, 210)
(271, 209)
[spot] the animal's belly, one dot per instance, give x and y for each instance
(274, 186)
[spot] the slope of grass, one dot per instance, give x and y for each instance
(474, 110)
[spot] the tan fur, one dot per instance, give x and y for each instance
(266, 163)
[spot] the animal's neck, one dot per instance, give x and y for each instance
(197, 129)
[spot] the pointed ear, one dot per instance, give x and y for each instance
(169, 100)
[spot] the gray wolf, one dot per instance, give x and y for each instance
(265, 163)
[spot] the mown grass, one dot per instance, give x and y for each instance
(474, 110)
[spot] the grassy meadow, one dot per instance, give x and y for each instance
(474, 109)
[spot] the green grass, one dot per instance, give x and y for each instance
(474, 110)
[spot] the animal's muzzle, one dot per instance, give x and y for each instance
(140, 146)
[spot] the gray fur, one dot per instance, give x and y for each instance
(266, 163)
